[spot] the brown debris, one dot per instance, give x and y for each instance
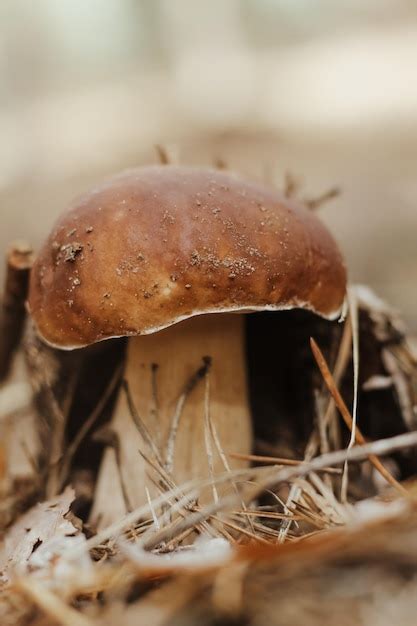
(69, 251)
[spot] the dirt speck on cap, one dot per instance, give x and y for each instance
(69, 251)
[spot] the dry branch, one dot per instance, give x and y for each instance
(12, 317)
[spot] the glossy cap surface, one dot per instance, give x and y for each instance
(159, 244)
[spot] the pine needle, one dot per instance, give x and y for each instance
(353, 314)
(344, 411)
(176, 418)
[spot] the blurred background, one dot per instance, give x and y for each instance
(324, 90)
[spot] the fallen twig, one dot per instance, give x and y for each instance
(277, 460)
(12, 317)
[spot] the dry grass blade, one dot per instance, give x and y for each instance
(266, 479)
(273, 478)
(166, 484)
(176, 418)
(341, 509)
(153, 513)
(207, 433)
(140, 424)
(191, 521)
(154, 413)
(295, 493)
(239, 529)
(118, 527)
(344, 411)
(225, 462)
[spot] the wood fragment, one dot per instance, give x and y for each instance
(292, 185)
(167, 155)
(13, 313)
(162, 154)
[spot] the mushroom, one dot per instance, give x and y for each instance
(173, 257)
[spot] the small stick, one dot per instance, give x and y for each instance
(162, 154)
(167, 155)
(244, 531)
(12, 317)
(277, 460)
(291, 185)
(344, 411)
(316, 203)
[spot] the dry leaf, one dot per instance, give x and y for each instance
(40, 525)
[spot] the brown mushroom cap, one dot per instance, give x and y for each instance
(159, 244)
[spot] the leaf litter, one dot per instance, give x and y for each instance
(280, 547)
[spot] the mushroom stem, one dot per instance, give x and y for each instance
(169, 398)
